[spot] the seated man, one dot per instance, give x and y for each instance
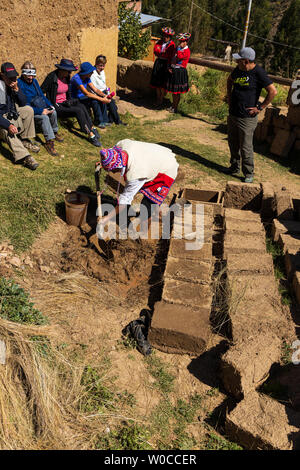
(44, 113)
(98, 79)
(16, 119)
(83, 89)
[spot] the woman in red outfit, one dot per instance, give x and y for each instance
(164, 50)
(177, 81)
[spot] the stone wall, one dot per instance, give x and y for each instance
(44, 31)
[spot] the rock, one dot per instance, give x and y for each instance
(15, 261)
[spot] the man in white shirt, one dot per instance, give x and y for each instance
(98, 79)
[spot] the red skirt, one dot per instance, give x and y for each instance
(157, 189)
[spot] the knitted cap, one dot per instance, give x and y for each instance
(114, 158)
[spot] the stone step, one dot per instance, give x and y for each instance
(187, 293)
(188, 270)
(262, 264)
(284, 227)
(178, 329)
(261, 423)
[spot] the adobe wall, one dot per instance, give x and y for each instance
(44, 31)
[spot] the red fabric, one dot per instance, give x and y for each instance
(168, 52)
(157, 189)
(183, 57)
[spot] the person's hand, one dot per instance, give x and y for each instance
(253, 111)
(47, 111)
(12, 129)
(14, 86)
(106, 100)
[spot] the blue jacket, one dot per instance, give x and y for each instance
(12, 98)
(30, 91)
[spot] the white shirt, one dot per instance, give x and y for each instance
(130, 190)
(99, 80)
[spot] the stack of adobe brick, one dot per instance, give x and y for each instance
(280, 131)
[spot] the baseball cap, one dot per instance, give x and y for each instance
(245, 53)
(8, 69)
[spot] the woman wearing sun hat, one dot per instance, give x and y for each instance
(177, 78)
(164, 51)
(146, 167)
(56, 86)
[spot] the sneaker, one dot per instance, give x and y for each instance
(248, 179)
(101, 125)
(108, 124)
(121, 123)
(28, 144)
(95, 141)
(95, 132)
(231, 171)
(59, 137)
(49, 146)
(30, 162)
(172, 110)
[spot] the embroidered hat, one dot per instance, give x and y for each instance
(66, 64)
(8, 69)
(114, 158)
(86, 68)
(168, 31)
(183, 36)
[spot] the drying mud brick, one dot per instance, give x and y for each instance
(296, 286)
(292, 260)
(270, 114)
(241, 215)
(245, 366)
(178, 329)
(267, 204)
(281, 122)
(246, 196)
(187, 293)
(180, 249)
(112, 180)
(235, 242)
(284, 206)
(294, 115)
(289, 241)
(262, 264)
(284, 226)
(188, 270)
(282, 143)
(244, 226)
(261, 423)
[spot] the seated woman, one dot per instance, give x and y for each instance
(99, 81)
(164, 51)
(44, 112)
(83, 89)
(147, 168)
(177, 78)
(56, 87)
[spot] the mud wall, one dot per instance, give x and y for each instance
(135, 75)
(44, 31)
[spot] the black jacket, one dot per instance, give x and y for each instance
(50, 85)
(12, 98)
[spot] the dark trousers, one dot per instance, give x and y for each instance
(113, 112)
(80, 112)
(240, 140)
(99, 109)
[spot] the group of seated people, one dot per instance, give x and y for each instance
(25, 105)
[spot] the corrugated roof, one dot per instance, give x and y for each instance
(149, 19)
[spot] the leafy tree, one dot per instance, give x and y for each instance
(133, 42)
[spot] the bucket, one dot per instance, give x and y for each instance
(76, 208)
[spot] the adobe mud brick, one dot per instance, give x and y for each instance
(187, 293)
(292, 260)
(270, 114)
(188, 270)
(285, 227)
(179, 329)
(180, 249)
(284, 206)
(267, 211)
(230, 213)
(262, 264)
(283, 143)
(246, 196)
(261, 423)
(245, 366)
(294, 115)
(244, 226)
(244, 243)
(296, 286)
(112, 181)
(281, 122)
(287, 241)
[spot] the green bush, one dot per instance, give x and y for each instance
(15, 305)
(133, 42)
